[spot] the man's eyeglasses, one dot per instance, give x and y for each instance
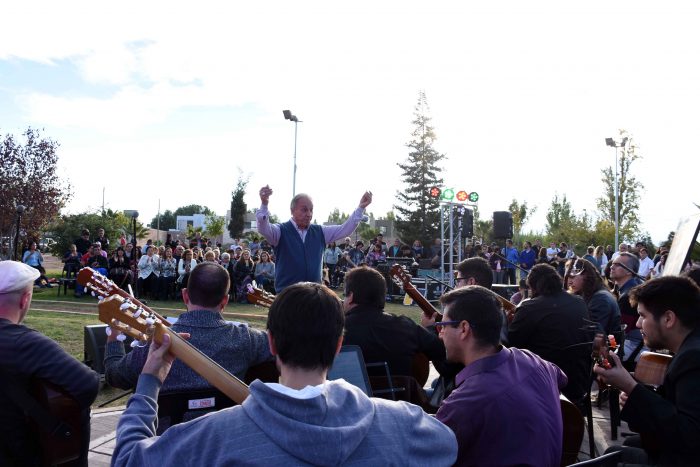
(439, 325)
(458, 279)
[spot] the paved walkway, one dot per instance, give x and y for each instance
(104, 424)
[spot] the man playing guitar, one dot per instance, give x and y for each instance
(667, 420)
(26, 355)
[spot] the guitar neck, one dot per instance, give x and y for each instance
(422, 302)
(204, 366)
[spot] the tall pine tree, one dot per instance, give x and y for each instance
(418, 215)
(238, 208)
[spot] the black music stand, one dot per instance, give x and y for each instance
(682, 246)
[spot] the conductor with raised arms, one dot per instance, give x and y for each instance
(299, 244)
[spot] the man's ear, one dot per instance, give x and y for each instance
(186, 296)
(339, 345)
(348, 297)
(271, 343)
(669, 319)
(224, 302)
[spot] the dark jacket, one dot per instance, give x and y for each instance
(384, 337)
(669, 422)
(552, 327)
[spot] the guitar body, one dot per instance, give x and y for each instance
(58, 449)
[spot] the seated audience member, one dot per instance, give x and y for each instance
(26, 354)
(583, 279)
(119, 270)
(185, 267)
(243, 273)
(33, 257)
(265, 271)
(302, 420)
(394, 250)
(551, 324)
(667, 420)
(97, 259)
(148, 273)
(235, 347)
(167, 274)
(72, 258)
(417, 249)
(383, 337)
(227, 264)
(375, 256)
(355, 256)
(502, 394)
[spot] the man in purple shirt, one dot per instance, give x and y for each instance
(299, 244)
(505, 409)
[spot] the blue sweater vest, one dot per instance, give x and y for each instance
(298, 261)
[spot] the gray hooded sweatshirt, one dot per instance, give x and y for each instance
(341, 426)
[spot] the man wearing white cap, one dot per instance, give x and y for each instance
(25, 355)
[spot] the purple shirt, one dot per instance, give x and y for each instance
(506, 411)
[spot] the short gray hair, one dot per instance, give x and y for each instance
(296, 199)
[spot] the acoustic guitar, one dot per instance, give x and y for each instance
(102, 287)
(258, 296)
(143, 324)
(67, 445)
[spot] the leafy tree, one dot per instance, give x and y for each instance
(191, 210)
(215, 226)
(628, 190)
(337, 217)
(28, 177)
(418, 214)
(168, 220)
(68, 227)
(520, 214)
(560, 218)
(238, 208)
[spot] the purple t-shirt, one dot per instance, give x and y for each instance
(506, 410)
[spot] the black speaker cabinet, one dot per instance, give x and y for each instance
(502, 224)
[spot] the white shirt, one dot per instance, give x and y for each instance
(645, 266)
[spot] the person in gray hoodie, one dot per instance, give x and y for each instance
(302, 420)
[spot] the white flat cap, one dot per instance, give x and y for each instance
(16, 276)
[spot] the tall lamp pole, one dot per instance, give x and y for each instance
(293, 118)
(616, 144)
(19, 210)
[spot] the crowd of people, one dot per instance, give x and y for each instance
(496, 401)
(159, 272)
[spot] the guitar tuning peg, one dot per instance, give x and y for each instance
(93, 293)
(108, 331)
(121, 337)
(138, 311)
(124, 306)
(134, 344)
(150, 320)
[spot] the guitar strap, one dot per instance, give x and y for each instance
(45, 420)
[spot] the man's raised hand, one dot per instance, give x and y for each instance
(265, 193)
(366, 199)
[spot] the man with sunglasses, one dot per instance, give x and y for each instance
(623, 271)
(503, 394)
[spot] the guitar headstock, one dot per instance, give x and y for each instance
(399, 275)
(97, 283)
(599, 351)
(127, 317)
(258, 296)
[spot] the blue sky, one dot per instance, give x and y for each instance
(170, 99)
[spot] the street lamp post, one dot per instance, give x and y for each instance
(615, 144)
(19, 210)
(293, 118)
